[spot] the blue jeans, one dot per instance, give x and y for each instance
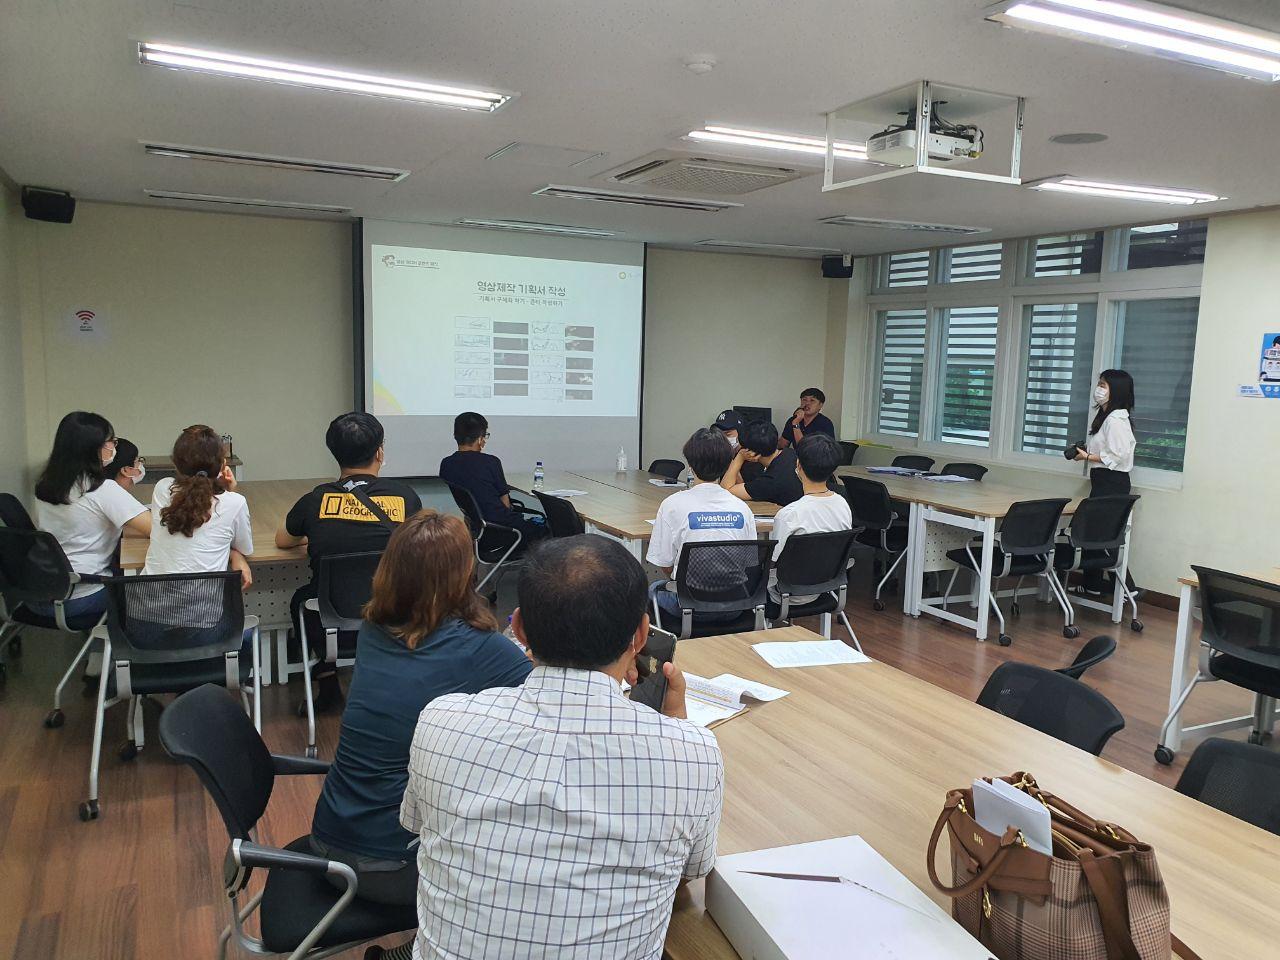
(92, 605)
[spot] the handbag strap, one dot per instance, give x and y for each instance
(369, 504)
(1105, 876)
(985, 874)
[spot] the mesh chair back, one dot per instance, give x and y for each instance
(13, 514)
(173, 618)
(815, 562)
(33, 567)
(869, 501)
(207, 729)
(974, 471)
(562, 518)
(1031, 526)
(344, 585)
(1052, 703)
(722, 576)
(913, 462)
(671, 469)
(1241, 616)
(847, 449)
(1241, 779)
(1099, 522)
(466, 502)
(1091, 654)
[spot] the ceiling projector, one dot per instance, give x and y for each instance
(946, 142)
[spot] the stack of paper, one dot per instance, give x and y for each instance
(997, 806)
(897, 471)
(665, 483)
(713, 701)
(948, 478)
(808, 653)
(565, 493)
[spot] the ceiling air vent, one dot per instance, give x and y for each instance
(874, 224)
(634, 199)
(533, 226)
(245, 202)
(267, 160)
(775, 248)
(669, 170)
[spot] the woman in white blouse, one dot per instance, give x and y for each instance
(1111, 444)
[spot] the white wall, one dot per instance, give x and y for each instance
(240, 322)
(1227, 509)
(724, 329)
(13, 460)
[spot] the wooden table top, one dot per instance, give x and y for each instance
(269, 503)
(869, 750)
(977, 498)
(1269, 575)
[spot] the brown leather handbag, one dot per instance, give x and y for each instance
(1099, 897)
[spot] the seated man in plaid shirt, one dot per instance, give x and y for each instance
(557, 819)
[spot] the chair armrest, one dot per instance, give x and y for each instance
(249, 854)
(291, 766)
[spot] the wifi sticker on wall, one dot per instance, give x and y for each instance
(85, 324)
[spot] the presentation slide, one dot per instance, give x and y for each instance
(512, 335)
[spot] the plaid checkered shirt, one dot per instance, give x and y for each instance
(556, 820)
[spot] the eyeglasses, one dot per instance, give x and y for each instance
(141, 461)
(487, 436)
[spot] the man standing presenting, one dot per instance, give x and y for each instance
(808, 420)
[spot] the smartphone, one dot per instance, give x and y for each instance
(651, 687)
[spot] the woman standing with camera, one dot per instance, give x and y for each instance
(1110, 445)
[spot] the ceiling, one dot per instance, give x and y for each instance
(606, 76)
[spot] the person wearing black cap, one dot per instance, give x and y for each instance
(729, 423)
(808, 419)
(776, 480)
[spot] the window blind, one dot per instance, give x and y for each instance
(1155, 343)
(1057, 360)
(907, 269)
(1067, 256)
(980, 261)
(902, 338)
(968, 374)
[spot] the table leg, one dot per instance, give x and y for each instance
(265, 639)
(984, 576)
(913, 565)
(1181, 641)
(1117, 593)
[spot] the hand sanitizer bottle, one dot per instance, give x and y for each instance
(538, 474)
(622, 460)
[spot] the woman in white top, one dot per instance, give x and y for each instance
(199, 523)
(83, 509)
(1111, 445)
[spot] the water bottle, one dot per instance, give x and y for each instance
(538, 474)
(622, 460)
(688, 478)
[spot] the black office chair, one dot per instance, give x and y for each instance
(671, 469)
(1241, 779)
(1047, 701)
(847, 449)
(717, 577)
(1024, 548)
(1095, 541)
(877, 526)
(1239, 643)
(1090, 655)
(13, 514)
(344, 584)
(301, 914)
(913, 462)
(973, 471)
(495, 544)
(562, 517)
(814, 565)
(170, 634)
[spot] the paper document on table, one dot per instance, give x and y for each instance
(997, 806)
(665, 483)
(565, 493)
(711, 701)
(948, 478)
(808, 653)
(896, 471)
(759, 519)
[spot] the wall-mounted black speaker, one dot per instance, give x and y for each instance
(837, 266)
(53, 206)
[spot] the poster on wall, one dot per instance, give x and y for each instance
(85, 324)
(1268, 370)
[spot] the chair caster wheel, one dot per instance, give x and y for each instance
(54, 719)
(1004, 640)
(1255, 737)
(1015, 610)
(89, 810)
(1071, 632)
(1136, 625)
(15, 647)
(129, 752)
(1164, 755)
(312, 753)
(878, 604)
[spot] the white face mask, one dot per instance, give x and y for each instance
(142, 474)
(733, 442)
(1101, 395)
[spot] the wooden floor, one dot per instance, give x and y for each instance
(141, 881)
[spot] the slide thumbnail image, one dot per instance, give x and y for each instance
(507, 358)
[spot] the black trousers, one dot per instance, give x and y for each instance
(1103, 483)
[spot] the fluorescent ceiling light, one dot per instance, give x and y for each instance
(1161, 30)
(633, 199)
(879, 224)
(1124, 191)
(244, 201)
(748, 245)
(816, 146)
(278, 71)
(267, 160)
(532, 226)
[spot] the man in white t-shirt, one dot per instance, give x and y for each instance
(820, 510)
(706, 511)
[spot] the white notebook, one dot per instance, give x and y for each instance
(713, 701)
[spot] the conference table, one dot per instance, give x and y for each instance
(869, 750)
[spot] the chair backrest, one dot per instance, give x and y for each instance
(1091, 654)
(1242, 779)
(974, 471)
(13, 514)
(466, 502)
(207, 729)
(562, 517)
(1052, 703)
(847, 449)
(671, 469)
(1241, 616)
(815, 562)
(1099, 522)
(1031, 526)
(33, 567)
(913, 462)
(171, 618)
(869, 502)
(344, 585)
(723, 576)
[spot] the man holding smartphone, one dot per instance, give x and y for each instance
(557, 819)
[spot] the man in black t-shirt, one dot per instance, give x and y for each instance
(778, 483)
(807, 419)
(331, 519)
(481, 473)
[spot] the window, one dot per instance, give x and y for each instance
(1069, 255)
(1155, 343)
(902, 334)
(907, 269)
(1057, 375)
(1166, 244)
(980, 261)
(968, 374)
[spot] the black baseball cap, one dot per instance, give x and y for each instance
(728, 420)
